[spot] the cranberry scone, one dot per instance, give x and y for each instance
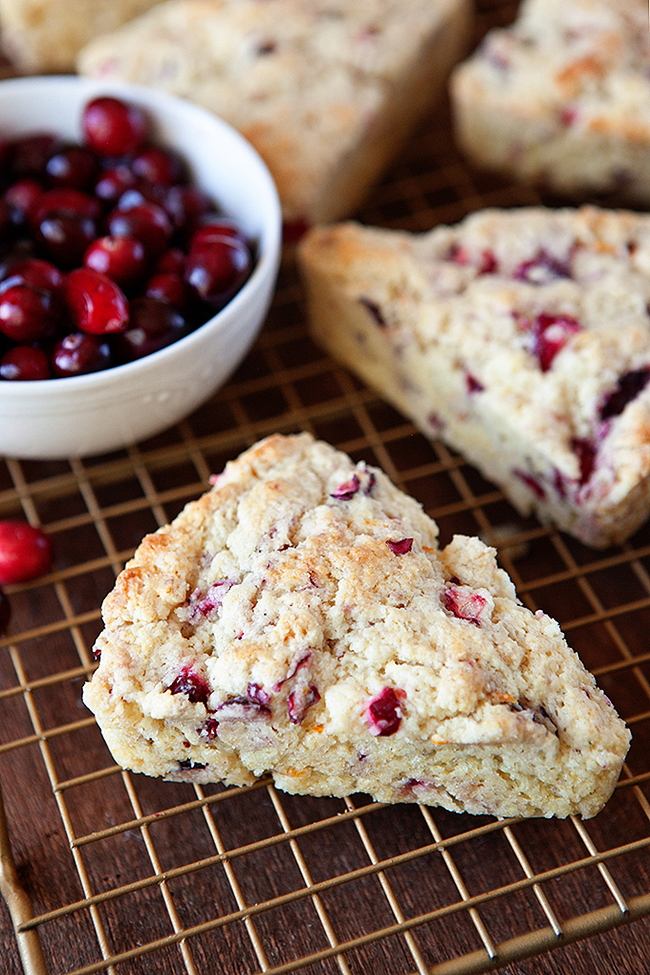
(326, 91)
(300, 619)
(561, 98)
(520, 337)
(47, 35)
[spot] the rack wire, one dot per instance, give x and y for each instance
(114, 872)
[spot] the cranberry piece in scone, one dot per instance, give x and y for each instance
(384, 712)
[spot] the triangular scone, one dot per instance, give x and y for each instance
(300, 620)
(326, 91)
(561, 98)
(521, 337)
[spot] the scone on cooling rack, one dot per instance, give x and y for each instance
(520, 337)
(561, 98)
(326, 91)
(299, 619)
(47, 35)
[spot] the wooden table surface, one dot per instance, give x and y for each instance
(132, 875)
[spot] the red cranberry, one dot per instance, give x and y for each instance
(299, 702)
(347, 490)
(550, 335)
(206, 233)
(133, 196)
(171, 261)
(30, 154)
(258, 694)
(27, 314)
(242, 709)
(96, 304)
(24, 363)
(39, 273)
(542, 269)
(66, 237)
(208, 603)
(216, 270)
(489, 263)
(111, 127)
(65, 199)
(122, 259)
(73, 166)
(400, 546)
(167, 286)
(209, 729)
(160, 166)
(384, 712)
(114, 182)
(153, 325)
(586, 453)
(192, 684)
(78, 353)
(465, 604)
(146, 221)
(186, 205)
(530, 482)
(25, 551)
(22, 197)
(628, 388)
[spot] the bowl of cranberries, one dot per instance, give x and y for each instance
(140, 239)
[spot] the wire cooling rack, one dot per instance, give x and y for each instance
(113, 872)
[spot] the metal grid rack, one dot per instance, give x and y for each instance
(113, 872)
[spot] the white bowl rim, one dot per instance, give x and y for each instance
(270, 255)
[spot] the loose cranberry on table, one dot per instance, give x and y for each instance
(108, 251)
(25, 551)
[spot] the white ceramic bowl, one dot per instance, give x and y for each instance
(102, 411)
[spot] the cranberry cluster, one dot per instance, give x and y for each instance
(109, 252)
